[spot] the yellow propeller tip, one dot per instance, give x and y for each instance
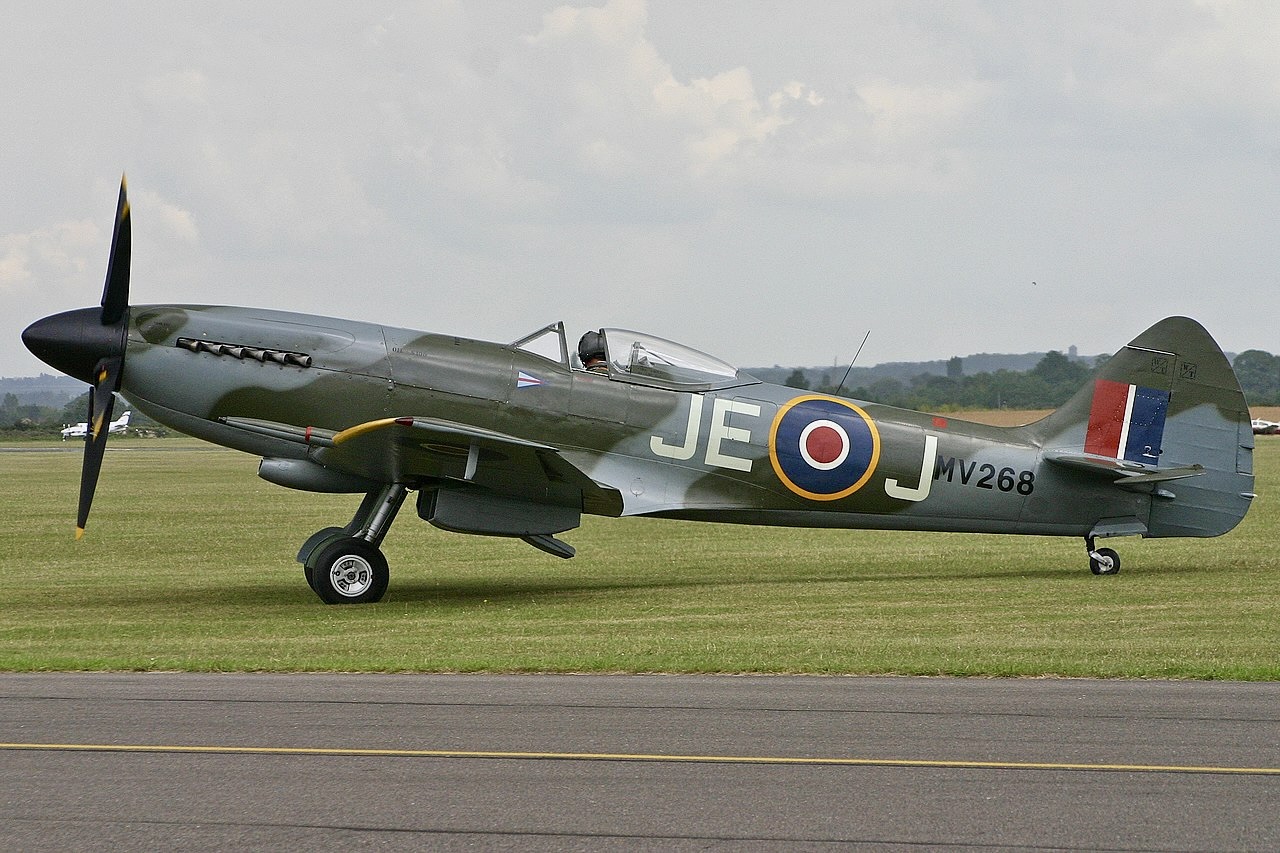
(79, 533)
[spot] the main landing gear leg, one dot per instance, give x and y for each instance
(1102, 561)
(343, 564)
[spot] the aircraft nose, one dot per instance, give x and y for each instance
(74, 341)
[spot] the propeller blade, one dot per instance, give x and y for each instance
(95, 445)
(90, 344)
(115, 292)
(102, 395)
(102, 400)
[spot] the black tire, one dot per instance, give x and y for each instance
(349, 571)
(1108, 564)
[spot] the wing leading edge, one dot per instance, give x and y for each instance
(454, 464)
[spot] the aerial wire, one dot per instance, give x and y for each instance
(843, 379)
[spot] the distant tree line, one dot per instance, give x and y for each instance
(31, 417)
(1046, 386)
(1259, 374)
(30, 420)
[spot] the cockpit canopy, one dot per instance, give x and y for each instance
(643, 359)
(650, 360)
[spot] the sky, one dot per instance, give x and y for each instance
(766, 181)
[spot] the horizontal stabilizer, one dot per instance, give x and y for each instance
(1121, 471)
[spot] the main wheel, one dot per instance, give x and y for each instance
(308, 574)
(1106, 563)
(350, 571)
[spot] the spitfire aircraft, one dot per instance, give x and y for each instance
(522, 439)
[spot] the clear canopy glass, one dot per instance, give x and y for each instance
(648, 358)
(642, 359)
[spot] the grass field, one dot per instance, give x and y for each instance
(188, 565)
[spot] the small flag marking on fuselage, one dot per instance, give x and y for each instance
(528, 380)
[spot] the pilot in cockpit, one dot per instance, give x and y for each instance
(591, 351)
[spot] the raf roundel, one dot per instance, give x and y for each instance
(822, 448)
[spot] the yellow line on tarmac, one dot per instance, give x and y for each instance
(802, 761)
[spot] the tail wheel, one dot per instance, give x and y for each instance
(1104, 561)
(349, 571)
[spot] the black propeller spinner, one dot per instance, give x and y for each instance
(89, 344)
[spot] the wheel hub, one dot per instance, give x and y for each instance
(351, 576)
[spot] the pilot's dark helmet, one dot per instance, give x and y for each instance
(591, 347)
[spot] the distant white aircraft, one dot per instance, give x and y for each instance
(80, 430)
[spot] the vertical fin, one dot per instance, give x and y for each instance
(1168, 399)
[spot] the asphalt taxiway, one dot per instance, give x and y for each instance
(287, 762)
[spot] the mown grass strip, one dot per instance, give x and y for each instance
(188, 565)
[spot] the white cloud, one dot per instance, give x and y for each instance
(165, 219)
(909, 116)
(458, 165)
(615, 109)
(53, 259)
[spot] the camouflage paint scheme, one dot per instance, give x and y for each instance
(520, 440)
(604, 427)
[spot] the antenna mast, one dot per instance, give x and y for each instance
(840, 387)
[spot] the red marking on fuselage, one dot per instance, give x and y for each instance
(824, 445)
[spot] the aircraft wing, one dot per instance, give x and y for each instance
(420, 449)
(1122, 472)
